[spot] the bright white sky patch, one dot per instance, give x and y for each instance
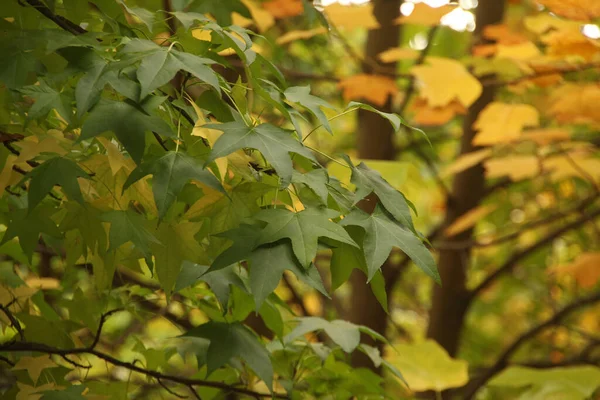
(591, 31)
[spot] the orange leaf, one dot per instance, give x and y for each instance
(398, 53)
(546, 136)
(585, 269)
(374, 88)
(351, 16)
(502, 123)
(468, 219)
(299, 35)
(575, 104)
(502, 34)
(423, 14)
(515, 167)
(580, 10)
(521, 51)
(284, 8)
(442, 80)
(435, 116)
(466, 161)
(570, 42)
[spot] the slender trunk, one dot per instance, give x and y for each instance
(450, 301)
(375, 141)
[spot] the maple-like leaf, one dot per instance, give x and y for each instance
(220, 280)
(170, 174)
(579, 10)
(161, 64)
(34, 365)
(441, 80)
(585, 269)
(274, 143)
(369, 181)
(234, 340)
(502, 123)
(127, 122)
(374, 88)
(302, 96)
(424, 14)
(47, 99)
(293, 36)
(284, 8)
(303, 228)
(56, 171)
(384, 233)
(351, 17)
(128, 226)
(468, 219)
(398, 53)
(316, 180)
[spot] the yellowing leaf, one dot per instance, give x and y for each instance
(205, 35)
(27, 392)
(579, 10)
(43, 283)
(427, 366)
(284, 8)
(299, 35)
(7, 172)
(351, 17)
(585, 269)
(515, 167)
(116, 159)
(503, 123)
(543, 22)
(468, 219)
(398, 53)
(570, 42)
(521, 51)
(30, 147)
(577, 163)
(423, 14)
(466, 161)
(502, 34)
(546, 136)
(34, 365)
(575, 104)
(263, 18)
(435, 116)
(442, 80)
(374, 88)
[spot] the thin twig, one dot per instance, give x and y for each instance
(13, 321)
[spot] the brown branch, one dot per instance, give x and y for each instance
(16, 347)
(512, 262)
(13, 321)
(502, 361)
(59, 20)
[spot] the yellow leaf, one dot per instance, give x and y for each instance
(31, 147)
(398, 53)
(580, 164)
(373, 88)
(579, 10)
(299, 35)
(7, 172)
(502, 123)
(521, 51)
(585, 269)
(427, 366)
(502, 34)
(263, 18)
(284, 8)
(423, 14)
(27, 392)
(442, 80)
(543, 22)
(515, 167)
(205, 35)
(468, 219)
(566, 43)
(116, 159)
(435, 116)
(576, 104)
(466, 161)
(43, 283)
(546, 136)
(351, 17)
(34, 365)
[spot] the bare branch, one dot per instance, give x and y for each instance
(13, 321)
(103, 319)
(59, 20)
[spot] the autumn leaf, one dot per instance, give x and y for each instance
(284, 8)
(468, 219)
(543, 22)
(374, 88)
(503, 123)
(572, 103)
(585, 269)
(435, 116)
(350, 17)
(263, 18)
(520, 51)
(565, 43)
(466, 161)
(34, 365)
(441, 80)
(292, 36)
(423, 14)
(580, 10)
(515, 167)
(503, 34)
(398, 53)
(546, 136)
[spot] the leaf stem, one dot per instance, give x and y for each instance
(328, 156)
(330, 119)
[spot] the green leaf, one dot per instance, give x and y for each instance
(128, 226)
(343, 333)
(56, 171)
(220, 9)
(303, 229)
(127, 122)
(394, 119)
(170, 174)
(316, 180)
(161, 65)
(74, 392)
(188, 19)
(220, 281)
(383, 233)
(46, 99)
(27, 226)
(15, 66)
(234, 340)
(274, 143)
(146, 16)
(369, 181)
(302, 96)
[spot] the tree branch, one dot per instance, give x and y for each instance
(59, 20)
(512, 262)
(502, 361)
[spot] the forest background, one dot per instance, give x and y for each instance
(309, 162)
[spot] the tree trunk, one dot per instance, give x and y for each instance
(450, 301)
(375, 141)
